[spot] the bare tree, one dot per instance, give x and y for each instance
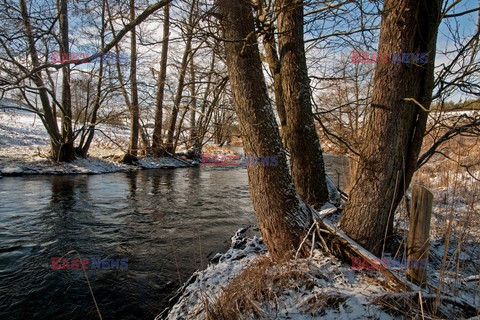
(170, 145)
(67, 152)
(211, 97)
(397, 121)
(25, 69)
(282, 217)
(157, 142)
(193, 106)
(307, 165)
(134, 108)
(57, 138)
(87, 135)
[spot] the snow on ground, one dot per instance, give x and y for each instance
(338, 292)
(455, 217)
(24, 148)
(333, 289)
(327, 289)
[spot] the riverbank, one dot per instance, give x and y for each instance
(244, 283)
(91, 165)
(24, 149)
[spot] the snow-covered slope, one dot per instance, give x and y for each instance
(332, 290)
(24, 149)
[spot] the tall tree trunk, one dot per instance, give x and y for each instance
(157, 143)
(134, 108)
(282, 217)
(170, 145)
(193, 107)
(396, 126)
(49, 119)
(66, 152)
(308, 169)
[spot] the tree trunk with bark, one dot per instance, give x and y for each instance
(307, 165)
(396, 125)
(66, 151)
(49, 119)
(193, 107)
(282, 217)
(134, 107)
(157, 142)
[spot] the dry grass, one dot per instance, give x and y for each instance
(413, 305)
(317, 303)
(262, 282)
(456, 192)
(453, 180)
(455, 221)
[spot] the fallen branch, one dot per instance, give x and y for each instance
(345, 248)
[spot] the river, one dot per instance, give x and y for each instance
(167, 223)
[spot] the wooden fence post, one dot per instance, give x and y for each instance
(418, 237)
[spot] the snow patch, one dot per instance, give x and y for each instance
(24, 149)
(355, 290)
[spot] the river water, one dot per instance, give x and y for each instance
(167, 223)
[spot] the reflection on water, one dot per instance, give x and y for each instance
(165, 222)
